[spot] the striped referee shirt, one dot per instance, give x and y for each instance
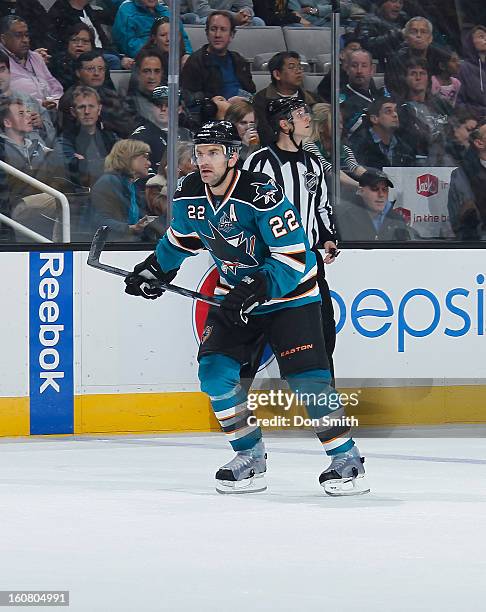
(301, 176)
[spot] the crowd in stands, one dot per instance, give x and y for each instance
(412, 94)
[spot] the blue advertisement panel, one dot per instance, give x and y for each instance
(51, 343)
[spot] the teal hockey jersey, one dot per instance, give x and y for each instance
(252, 228)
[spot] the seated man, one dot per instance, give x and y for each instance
(371, 215)
(376, 144)
(350, 43)
(360, 91)
(42, 126)
(133, 22)
(86, 142)
(28, 69)
(287, 81)
(467, 192)
(153, 130)
(380, 32)
(418, 34)
(33, 12)
(423, 117)
(91, 71)
(213, 70)
(35, 210)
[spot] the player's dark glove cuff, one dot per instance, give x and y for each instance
(143, 280)
(250, 292)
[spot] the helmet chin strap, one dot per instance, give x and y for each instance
(292, 139)
(223, 178)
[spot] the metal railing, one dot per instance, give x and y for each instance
(42, 187)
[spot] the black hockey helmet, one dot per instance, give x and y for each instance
(223, 133)
(282, 108)
(218, 132)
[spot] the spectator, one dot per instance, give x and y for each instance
(467, 192)
(242, 115)
(148, 74)
(42, 126)
(241, 11)
(64, 14)
(318, 12)
(34, 14)
(287, 75)
(153, 130)
(213, 70)
(80, 39)
(86, 142)
(444, 81)
(29, 72)
(133, 23)
(192, 10)
(381, 32)
(360, 90)
(377, 144)
(423, 117)
(278, 13)
(418, 35)
(462, 124)
(32, 157)
(319, 142)
(371, 215)
(159, 39)
(350, 44)
(472, 73)
(91, 71)
(115, 198)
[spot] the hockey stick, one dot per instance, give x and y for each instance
(97, 245)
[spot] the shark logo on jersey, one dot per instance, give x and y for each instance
(267, 191)
(234, 252)
(225, 224)
(310, 182)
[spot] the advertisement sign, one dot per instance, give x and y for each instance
(420, 195)
(51, 343)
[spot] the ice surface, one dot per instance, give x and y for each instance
(134, 524)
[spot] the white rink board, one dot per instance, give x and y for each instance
(125, 345)
(152, 346)
(14, 325)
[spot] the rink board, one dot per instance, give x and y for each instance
(79, 356)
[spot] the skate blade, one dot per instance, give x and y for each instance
(255, 484)
(346, 487)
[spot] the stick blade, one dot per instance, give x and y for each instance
(97, 245)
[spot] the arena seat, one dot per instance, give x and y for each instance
(310, 42)
(250, 42)
(261, 79)
(121, 79)
(311, 81)
(323, 62)
(197, 35)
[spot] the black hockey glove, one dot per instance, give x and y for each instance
(139, 282)
(249, 293)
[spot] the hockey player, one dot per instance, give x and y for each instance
(268, 280)
(300, 174)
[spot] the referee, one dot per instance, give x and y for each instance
(301, 175)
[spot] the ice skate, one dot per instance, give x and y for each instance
(345, 475)
(245, 473)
